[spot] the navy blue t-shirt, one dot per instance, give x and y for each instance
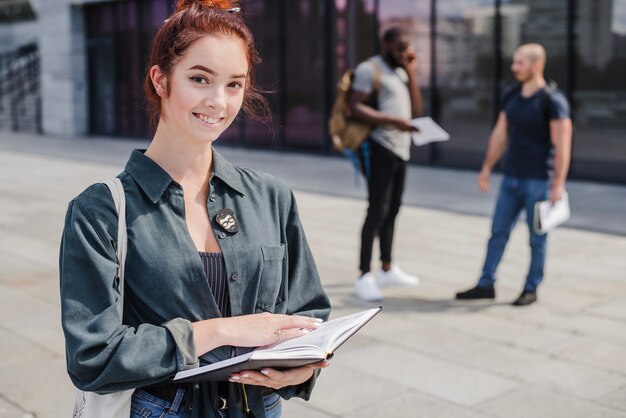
(529, 153)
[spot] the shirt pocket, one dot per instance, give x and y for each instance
(270, 282)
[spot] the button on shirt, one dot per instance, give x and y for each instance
(268, 261)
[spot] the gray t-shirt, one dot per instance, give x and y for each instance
(393, 99)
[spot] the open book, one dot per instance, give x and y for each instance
(315, 346)
(429, 131)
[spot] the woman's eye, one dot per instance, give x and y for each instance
(236, 84)
(198, 79)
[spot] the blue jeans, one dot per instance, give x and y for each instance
(273, 407)
(145, 405)
(516, 195)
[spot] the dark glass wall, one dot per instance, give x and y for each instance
(305, 75)
(599, 94)
(464, 71)
(264, 20)
(118, 38)
(464, 48)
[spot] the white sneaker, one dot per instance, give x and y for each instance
(395, 277)
(366, 288)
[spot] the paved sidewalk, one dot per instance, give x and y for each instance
(426, 355)
(595, 206)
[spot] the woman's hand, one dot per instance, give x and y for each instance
(277, 379)
(250, 330)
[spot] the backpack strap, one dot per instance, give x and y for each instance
(377, 78)
(546, 96)
(372, 99)
(119, 198)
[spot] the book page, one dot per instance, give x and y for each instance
(327, 335)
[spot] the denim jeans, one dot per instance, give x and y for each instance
(516, 195)
(273, 407)
(145, 405)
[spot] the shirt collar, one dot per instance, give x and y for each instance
(154, 181)
(225, 171)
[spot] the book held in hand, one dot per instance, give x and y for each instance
(318, 345)
(548, 216)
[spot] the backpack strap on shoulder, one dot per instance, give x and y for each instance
(377, 78)
(119, 199)
(546, 96)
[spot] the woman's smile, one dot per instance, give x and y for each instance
(208, 120)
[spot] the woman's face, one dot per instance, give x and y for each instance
(206, 88)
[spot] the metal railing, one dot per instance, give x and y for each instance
(20, 89)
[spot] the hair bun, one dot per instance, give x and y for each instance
(219, 4)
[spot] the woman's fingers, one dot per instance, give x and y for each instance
(298, 321)
(249, 377)
(277, 379)
(319, 365)
(288, 334)
(261, 329)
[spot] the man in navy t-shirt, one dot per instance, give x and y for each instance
(533, 133)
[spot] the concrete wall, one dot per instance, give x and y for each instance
(18, 34)
(60, 79)
(64, 78)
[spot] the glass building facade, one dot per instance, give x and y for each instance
(464, 47)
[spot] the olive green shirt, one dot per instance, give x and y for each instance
(268, 262)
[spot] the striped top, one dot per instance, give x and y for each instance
(215, 271)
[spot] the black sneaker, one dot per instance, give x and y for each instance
(477, 293)
(526, 298)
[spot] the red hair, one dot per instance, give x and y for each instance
(192, 20)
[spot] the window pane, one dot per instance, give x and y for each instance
(101, 65)
(263, 19)
(118, 39)
(465, 74)
(600, 95)
(305, 80)
(539, 21)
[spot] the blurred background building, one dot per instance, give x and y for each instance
(76, 67)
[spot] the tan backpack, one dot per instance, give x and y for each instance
(347, 132)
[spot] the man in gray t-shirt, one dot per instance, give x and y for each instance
(386, 152)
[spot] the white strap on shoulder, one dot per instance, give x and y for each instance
(119, 198)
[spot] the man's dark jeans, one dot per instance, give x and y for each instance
(385, 187)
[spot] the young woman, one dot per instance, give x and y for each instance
(217, 261)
